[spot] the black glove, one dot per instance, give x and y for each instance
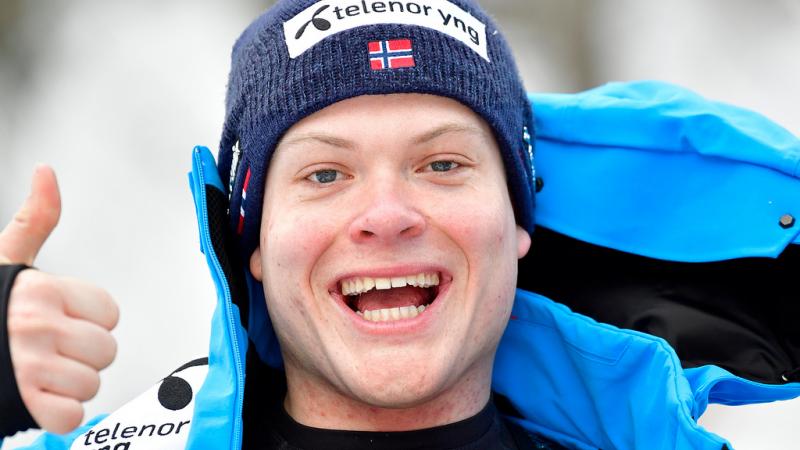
(14, 416)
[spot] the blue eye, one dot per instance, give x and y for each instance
(324, 176)
(443, 166)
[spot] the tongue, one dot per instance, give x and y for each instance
(392, 298)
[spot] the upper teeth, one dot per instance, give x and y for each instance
(359, 285)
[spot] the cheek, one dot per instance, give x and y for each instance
(288, 246)
(292, 246)
(485, 229)
(482, 226)
(292, 242)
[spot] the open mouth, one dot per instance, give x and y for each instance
(391, 298)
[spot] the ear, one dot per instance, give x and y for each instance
(523, 242)
(255, 264)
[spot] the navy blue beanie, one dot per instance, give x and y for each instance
(303, 55)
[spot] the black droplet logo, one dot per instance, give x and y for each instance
(174, 393)
(319, 23)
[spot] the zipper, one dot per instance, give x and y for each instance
(237, 357)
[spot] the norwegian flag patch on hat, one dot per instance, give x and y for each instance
(391, 54)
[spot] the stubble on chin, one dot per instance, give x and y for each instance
(400, 407)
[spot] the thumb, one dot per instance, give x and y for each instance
(22, 238)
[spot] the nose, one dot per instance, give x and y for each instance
(388, 216)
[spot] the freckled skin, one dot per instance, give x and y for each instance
(388, 208)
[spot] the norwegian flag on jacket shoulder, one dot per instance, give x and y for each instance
(391, 54)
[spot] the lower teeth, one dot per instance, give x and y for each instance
(390, 314)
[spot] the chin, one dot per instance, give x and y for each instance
(398, 386)
(396, 396)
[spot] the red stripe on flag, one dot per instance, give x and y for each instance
(376, 64)
(375, 47)
(403, 61)
(396, 45)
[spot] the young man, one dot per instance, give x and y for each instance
(374, 193)
(388, 136)
(388, 258)
(381, 140)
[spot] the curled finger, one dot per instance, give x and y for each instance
(54, 413)
(68, 378)
(83, 300)
(86, 342)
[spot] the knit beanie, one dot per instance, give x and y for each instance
(303, 55)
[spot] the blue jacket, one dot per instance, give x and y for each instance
(646, 170)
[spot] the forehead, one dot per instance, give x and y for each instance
(407, 118)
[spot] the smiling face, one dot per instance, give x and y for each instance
(388, 254)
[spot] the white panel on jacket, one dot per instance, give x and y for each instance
(158, 419)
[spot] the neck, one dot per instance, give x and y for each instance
(310, 401)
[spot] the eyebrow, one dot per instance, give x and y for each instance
(427, 136)
(328, 139)
(445, 129)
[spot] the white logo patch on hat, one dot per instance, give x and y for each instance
(329, 17)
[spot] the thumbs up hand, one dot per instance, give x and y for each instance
(58, 327)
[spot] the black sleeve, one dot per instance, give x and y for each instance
(14, 416)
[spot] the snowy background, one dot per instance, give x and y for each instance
(115, 94)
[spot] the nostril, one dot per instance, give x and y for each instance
(386, 221)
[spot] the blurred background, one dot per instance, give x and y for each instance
(115, 94)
